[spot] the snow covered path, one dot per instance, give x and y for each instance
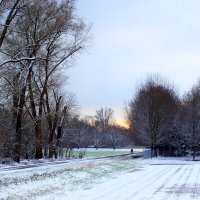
(123, 180)
(159, 181)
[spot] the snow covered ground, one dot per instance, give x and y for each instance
(107, 179)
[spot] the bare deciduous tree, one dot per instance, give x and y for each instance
(152, 111)
(191, 106)
(104, 120)
(46, 36)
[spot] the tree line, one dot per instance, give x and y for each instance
(39, 41)
(160, 119)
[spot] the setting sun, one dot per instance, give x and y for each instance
(123, 124)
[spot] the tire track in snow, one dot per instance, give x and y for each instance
(139, 185)
(178, 169)
(164, 183)
(130, 184)
(170, 193)
(182, 187)
(194, 193)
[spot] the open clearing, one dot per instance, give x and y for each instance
(112, 179)
(102, 152)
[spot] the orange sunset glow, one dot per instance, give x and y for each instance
(122, 124)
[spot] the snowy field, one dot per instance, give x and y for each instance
(106, 179)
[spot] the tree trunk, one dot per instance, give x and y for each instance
(38, 131)
(193, 153)
(17, 146)
(51, 146)
(38, 146)
(59, 131)
(59, 136)
(152, 151)
(155, 151)
(49, 121)
(52, 142)
(193, 140)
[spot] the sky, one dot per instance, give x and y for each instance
(131, 39)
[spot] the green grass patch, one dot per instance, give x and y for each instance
(93, 153)
(98, 154)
